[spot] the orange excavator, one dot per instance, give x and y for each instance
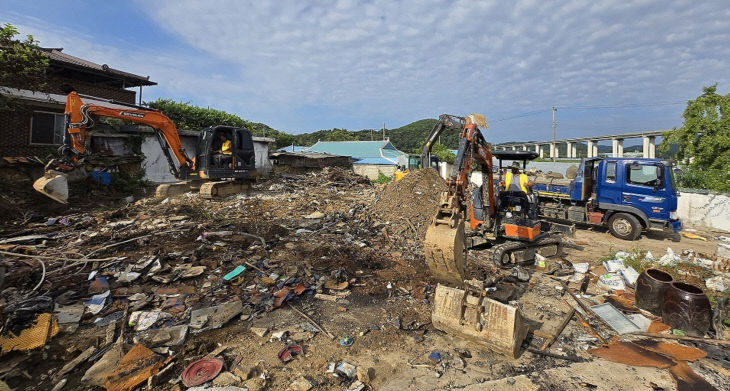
(506, 220)
(213, 177)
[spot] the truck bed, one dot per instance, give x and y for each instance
(552, 187)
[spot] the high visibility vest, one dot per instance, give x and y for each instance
(520, 185)
(226, 148)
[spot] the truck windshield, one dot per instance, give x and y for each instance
(644, 175)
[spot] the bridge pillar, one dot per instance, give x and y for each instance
(514, 147)
(538, 149)
(569, 149)
(524, 147)
(649, 147)
(592, 148)
(574, 150)
(554, 151)
(618, 147)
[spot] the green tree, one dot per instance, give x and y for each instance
(443, 153)
(703, 141)
(190, 117)
(340, 135)
(22, 63)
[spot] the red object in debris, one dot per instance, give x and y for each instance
(595, 217)
(299, 289)
(201, 371)
(287, 354)
(280, 296)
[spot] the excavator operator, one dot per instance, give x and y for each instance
(224, 156)
(517, 181)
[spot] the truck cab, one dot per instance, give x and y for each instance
(626, 195)
(643, 188)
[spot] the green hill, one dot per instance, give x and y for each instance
(407, 138)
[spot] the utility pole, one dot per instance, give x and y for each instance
(383, 131)
(555, 144)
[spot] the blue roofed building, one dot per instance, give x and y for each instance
(292, 148)
(370, 158)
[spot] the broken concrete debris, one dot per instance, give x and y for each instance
(300, 269)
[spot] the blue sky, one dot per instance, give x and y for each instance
(356, 64)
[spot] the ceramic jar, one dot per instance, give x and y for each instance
(686, 307)
(650, 288)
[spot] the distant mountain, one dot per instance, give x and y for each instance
(407, 138)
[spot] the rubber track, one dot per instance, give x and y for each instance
(499, 250)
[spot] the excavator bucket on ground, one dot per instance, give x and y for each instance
(481, 320)
(445, 250)
(54, 185)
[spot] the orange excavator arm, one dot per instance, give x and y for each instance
(79, 121)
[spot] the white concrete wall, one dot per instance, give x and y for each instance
(445, 169)
(704, 210)
(372, 170)
(263, 163)
(155, 164)
(158, 171)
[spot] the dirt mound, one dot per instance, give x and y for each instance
(410, 204)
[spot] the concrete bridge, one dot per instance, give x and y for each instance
(617, 140)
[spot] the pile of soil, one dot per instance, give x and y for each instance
(410, 203)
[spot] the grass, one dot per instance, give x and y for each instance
(382, 178)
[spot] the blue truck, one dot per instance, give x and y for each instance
(625, 195)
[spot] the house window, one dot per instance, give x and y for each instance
(47, 128)
(611, 172)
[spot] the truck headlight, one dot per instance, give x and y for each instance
(673, 215)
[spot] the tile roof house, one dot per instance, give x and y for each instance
(371, 158)
(36, 127)
(363, 152)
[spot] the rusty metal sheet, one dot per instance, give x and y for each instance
(673, 350)
(35, 336)
(139, 364)
(658, 327)
(688, 380)
(632, 354)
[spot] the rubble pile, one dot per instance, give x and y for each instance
(317, 281)
(160, 273)
(409, 205)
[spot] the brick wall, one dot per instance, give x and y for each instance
(56, 84)
(15, 133)
(15, 125)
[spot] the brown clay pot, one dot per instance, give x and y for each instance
(650, 288)
(686, 307)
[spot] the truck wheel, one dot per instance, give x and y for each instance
(624, 226)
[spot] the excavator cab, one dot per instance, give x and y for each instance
(516, 210)
(242, 163)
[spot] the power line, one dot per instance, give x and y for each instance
(521, 115)
(628, 105)
(625, 106)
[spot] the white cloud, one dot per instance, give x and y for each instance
(303, 66)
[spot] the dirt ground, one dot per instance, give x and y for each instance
(325, 253)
